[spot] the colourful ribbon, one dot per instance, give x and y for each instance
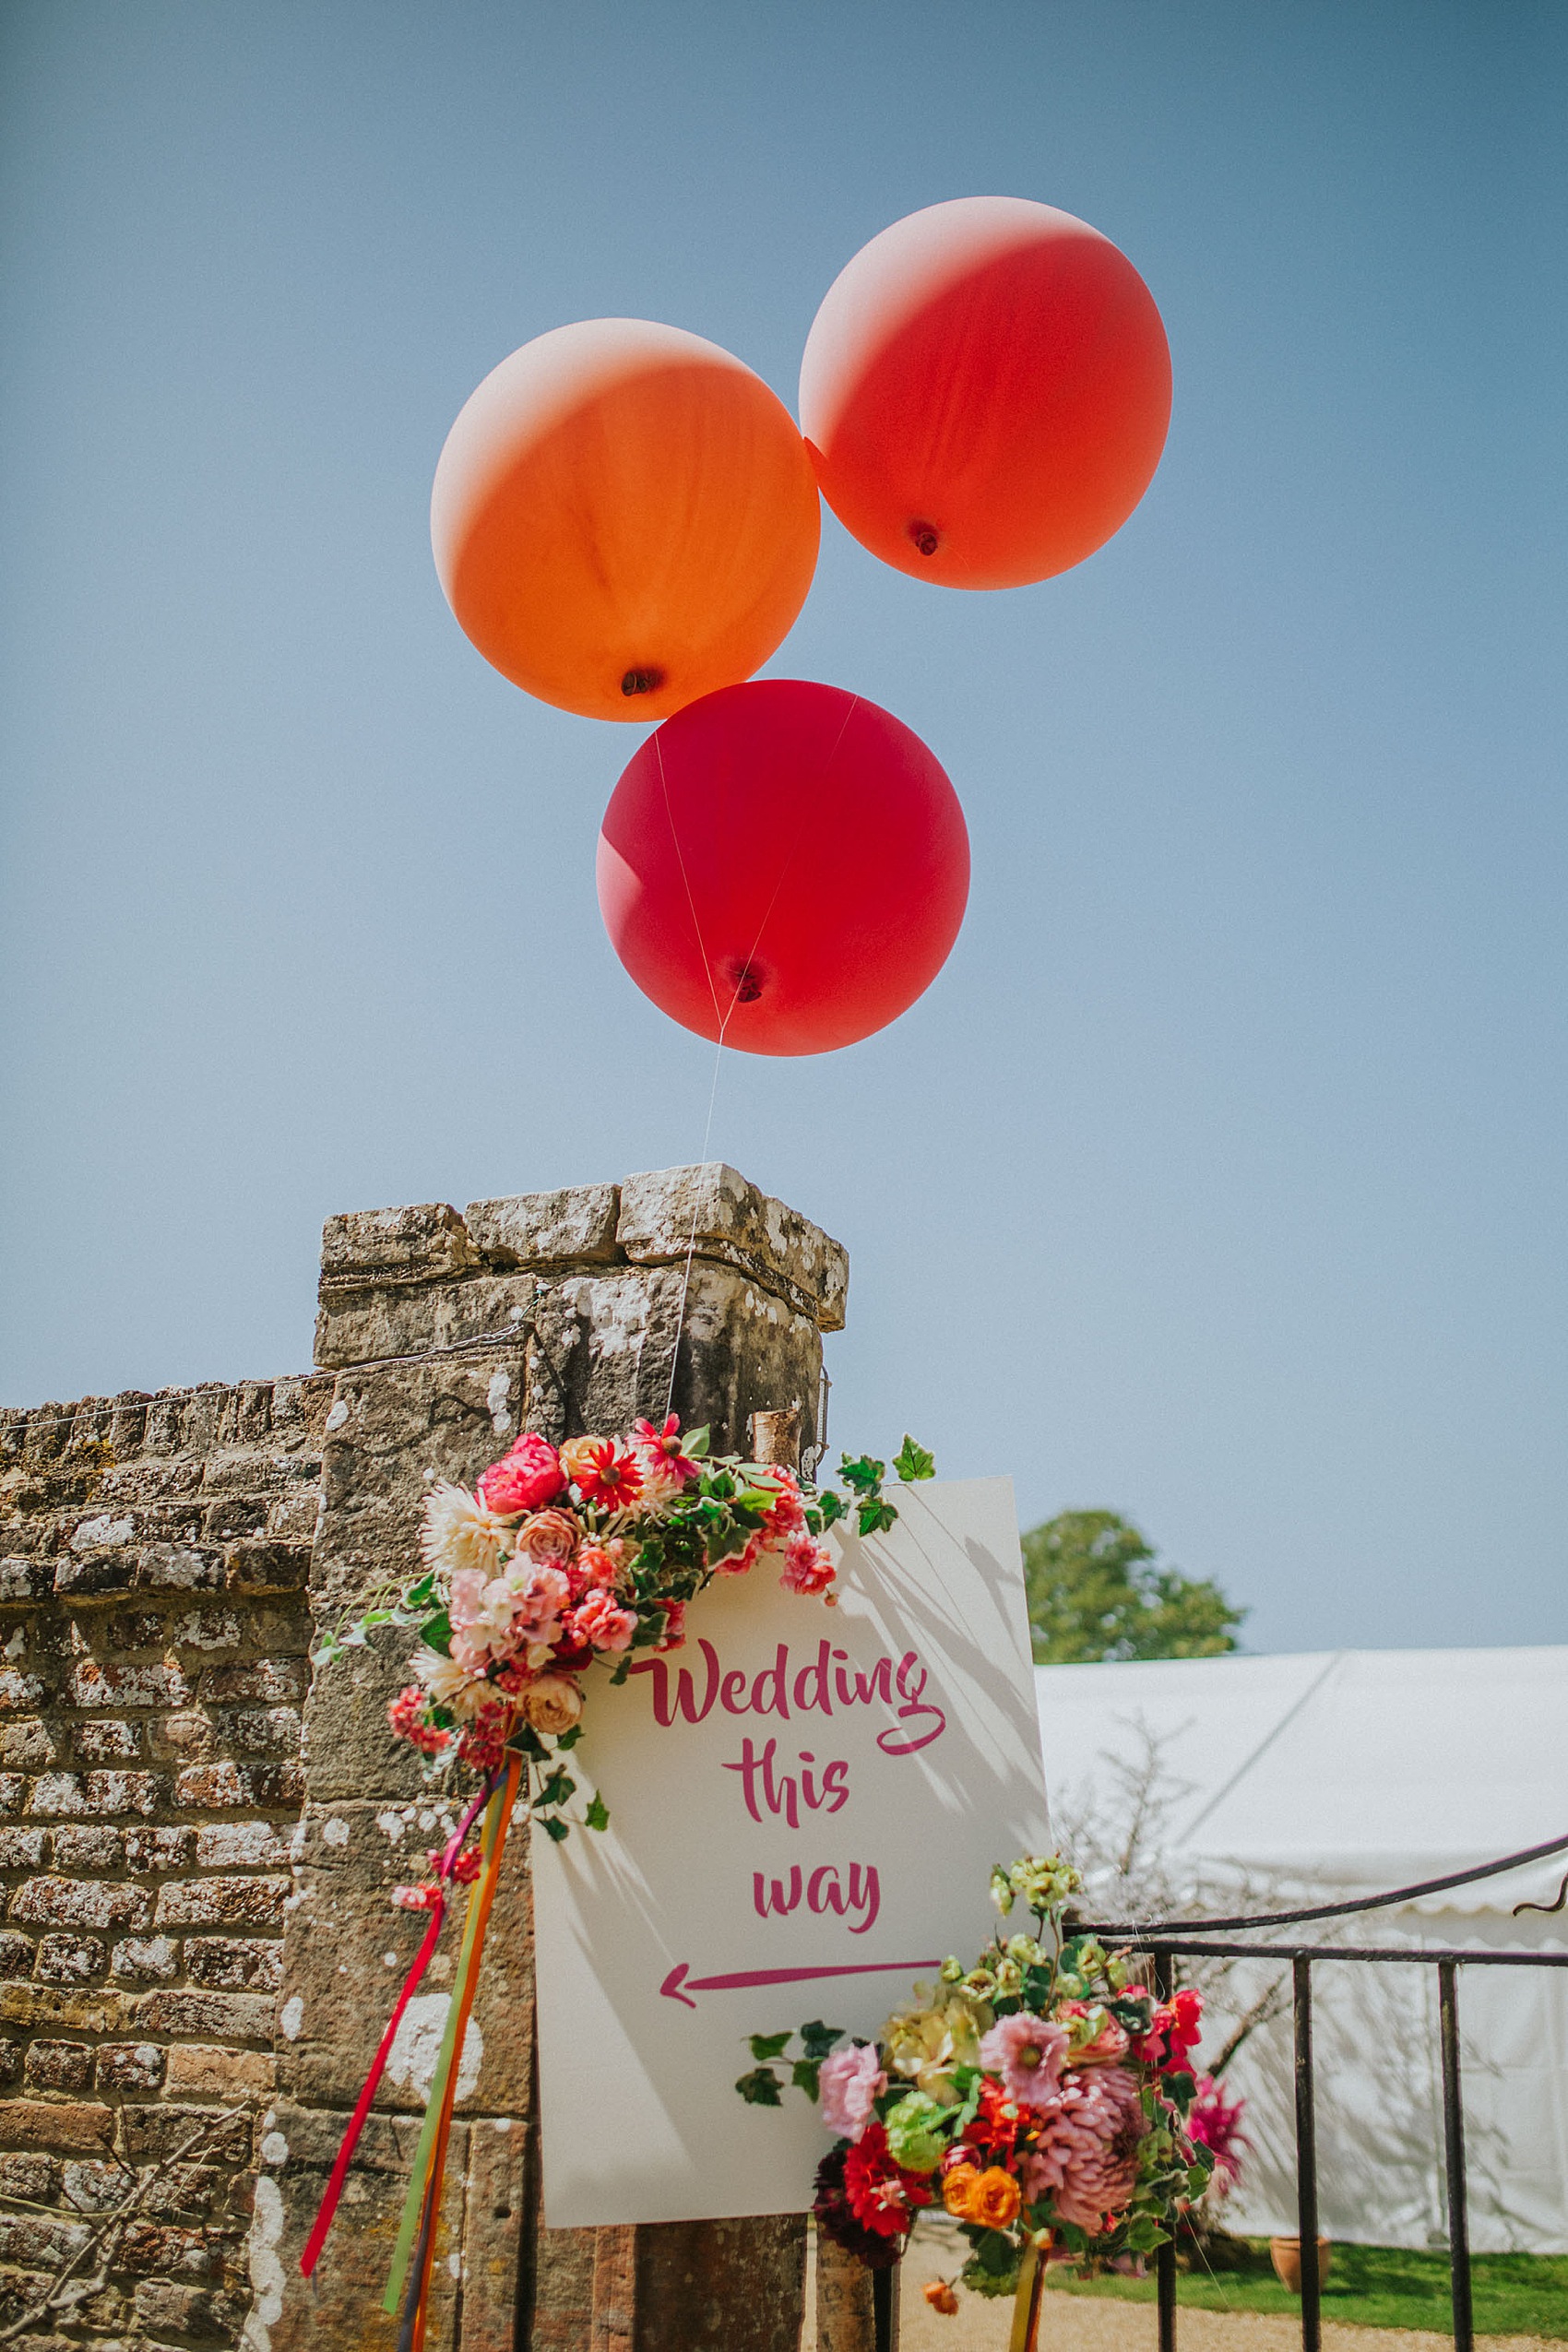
(425, 2179)
(1025, 2302)
(329, 2206)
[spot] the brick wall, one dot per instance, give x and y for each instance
(154, 1555)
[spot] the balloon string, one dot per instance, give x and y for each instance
(692, 1236)
(724, 1016)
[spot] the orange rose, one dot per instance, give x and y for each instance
(994, 2200)
(939, 2296)
(956, 2190)
(553, 1704)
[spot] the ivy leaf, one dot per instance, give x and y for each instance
(875, 1516)
(695, 1443)
(817, 2039)
(769, 2045)
(912, 1461)
(863, 1474)
(598, 1813)
(436, 1631)
(804, 2074)
(761, 2087)
(554, 1827)
(564, 1740)
(831, 1506)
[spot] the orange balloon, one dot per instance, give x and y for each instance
(625, 517)
(986, 392)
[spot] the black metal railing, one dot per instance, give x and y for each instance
(1167, 1941)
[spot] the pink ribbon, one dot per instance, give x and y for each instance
(329, 2206)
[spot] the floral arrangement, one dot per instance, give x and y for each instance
(1043, 2098)
(560, 1561)
(564, 1559)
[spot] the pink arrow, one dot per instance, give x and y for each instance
(671, 1987)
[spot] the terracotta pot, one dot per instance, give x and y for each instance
(1285, 2254)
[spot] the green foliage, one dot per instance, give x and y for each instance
(760, 2088)
(1096, 1591)
(913, 1462)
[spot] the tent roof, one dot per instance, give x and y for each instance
(1355, 1767)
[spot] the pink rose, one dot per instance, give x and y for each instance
(530, 1474)
(601, 1623)
(851, 2083)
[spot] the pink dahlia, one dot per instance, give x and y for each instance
(530, 1474)
(1085, 2156)
(601, 1622)
(851, 2081)
(1027, 2053)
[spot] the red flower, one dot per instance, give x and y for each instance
(464, 1871)
(881, 2196)
(530, 1474)
(994, 2130)
(674, 1635)
(664, 1446)
(836, 2219)
(1173, 2032)
(409, 1714)
(611, 1480)
(484, 1742)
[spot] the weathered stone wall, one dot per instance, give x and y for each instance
(197, 1924)
(154, 1633)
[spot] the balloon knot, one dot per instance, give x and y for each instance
(642, 681)
(925, 536)
(749, 981)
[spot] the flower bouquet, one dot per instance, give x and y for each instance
(560, 1561)
(1041, 2098)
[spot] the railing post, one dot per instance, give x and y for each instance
(1306, 2160)
(1454, 2155)
(1165, 2258)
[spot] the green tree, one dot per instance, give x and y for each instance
(1096, 1590)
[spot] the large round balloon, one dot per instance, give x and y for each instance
(625, 517)
(986, 391)
(784, 866)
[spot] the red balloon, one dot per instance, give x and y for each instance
(784, 866)
(986, 392)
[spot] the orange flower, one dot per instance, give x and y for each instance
(958, 2187)
(994, 2199)
(939, 2296)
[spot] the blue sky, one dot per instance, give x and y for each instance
(1219, 1177)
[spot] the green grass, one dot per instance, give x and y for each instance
(1377, 2286)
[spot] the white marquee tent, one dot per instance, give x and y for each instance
(1308, 1777)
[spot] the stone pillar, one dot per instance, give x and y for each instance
(561, 1313)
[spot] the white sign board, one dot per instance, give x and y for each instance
(805, 1807)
